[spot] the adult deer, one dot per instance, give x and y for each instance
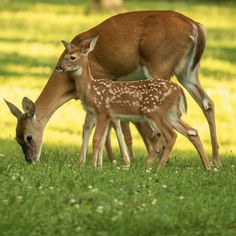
(157, 101)
(151, 44)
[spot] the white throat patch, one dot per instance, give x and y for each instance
(79, 71)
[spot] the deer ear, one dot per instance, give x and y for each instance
(14, 110)
(68, 46)
(28, 107)
(88, 45)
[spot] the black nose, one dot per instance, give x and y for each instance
(29, 138)
(59, 68)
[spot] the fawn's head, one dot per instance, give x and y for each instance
(75, 57)
(28, 130)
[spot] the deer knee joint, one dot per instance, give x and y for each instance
(206, 104)
(192, 132)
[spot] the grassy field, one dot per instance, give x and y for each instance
(54, 197)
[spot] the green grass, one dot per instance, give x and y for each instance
(54, 197)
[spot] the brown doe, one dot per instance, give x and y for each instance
(157, 101)
(131, 46)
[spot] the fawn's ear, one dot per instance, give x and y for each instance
(28, 107)
(68, 46)
(14, 110)
(88, 45)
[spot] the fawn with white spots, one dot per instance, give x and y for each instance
(158, 101)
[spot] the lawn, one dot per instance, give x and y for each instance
(55, 197)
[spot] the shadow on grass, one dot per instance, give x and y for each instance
(17, 39)
(223, 53)
(224, 50)
(15, 60)
(218, 74)
(26, 5)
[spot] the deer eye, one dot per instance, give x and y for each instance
(72, 58)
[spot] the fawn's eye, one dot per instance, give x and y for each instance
(72, 58)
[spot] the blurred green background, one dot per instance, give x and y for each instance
(30, 34)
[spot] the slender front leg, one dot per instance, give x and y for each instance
(128, 137)
(100, 133)
(103, 141)
(108, 146)
(87, 129)
(122, 145)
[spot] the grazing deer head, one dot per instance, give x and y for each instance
(28, 130)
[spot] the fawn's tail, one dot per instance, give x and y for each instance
(182, 101)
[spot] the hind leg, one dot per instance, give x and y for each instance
(170, 138)
(150, 136)
(192, 84)
(193, 137)
(168, 135)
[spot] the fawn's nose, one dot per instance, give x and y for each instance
(60, 68)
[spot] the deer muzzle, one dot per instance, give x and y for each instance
(60, 68)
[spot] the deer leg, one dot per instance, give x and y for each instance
(151, 137)
(100, 152)
(193, 137)
(123, 148)
(128, 137)
(87, 129)
(109, 148)
(151, 157)
(169, 137)
(206, 104)
(99, 137)
(141, 127)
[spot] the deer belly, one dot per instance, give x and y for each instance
(129, 117)
(137, 74)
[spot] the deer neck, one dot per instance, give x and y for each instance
(58, 90)
(84, 82)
